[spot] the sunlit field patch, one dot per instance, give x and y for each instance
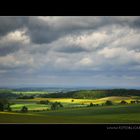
(68, 103)
(30, 107)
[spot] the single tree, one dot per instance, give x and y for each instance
(91, 104)
(1, 107)
(3, 104)
(108, 102)
(24, 109)
(9, 107)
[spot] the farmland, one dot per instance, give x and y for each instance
(67, 102)
(113, 114)
(71, 110)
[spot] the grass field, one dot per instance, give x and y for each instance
(31, 106)
(101, 114)
(114, 99)
(67, 102)
(75, 111)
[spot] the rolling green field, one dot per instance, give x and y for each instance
(101, 114)
(31, 106)
(69, 100)
(73, 110)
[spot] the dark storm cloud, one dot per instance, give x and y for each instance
(69, 49)
(40, 36)
(42, 31)
(11, 23)
(46, 31)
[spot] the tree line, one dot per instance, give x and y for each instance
(81, 94)
(93, 94)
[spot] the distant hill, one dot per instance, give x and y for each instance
(4, 93)
(79, 94)
(89, 94)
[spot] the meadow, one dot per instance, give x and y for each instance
(101, 114)
(74, 110)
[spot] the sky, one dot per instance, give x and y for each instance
(70, 51)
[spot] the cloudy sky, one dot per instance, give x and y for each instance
(70, 51)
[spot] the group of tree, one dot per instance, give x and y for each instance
(108, 102)
(69, 94)
(93, 94)
(135, 102)
(5, 105)
(123, 102)
(46, 102)
(25, 97)
(91, 105)
(56, 105)
(131, 102)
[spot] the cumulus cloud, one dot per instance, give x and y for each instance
(13, 41)
(105, 48)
